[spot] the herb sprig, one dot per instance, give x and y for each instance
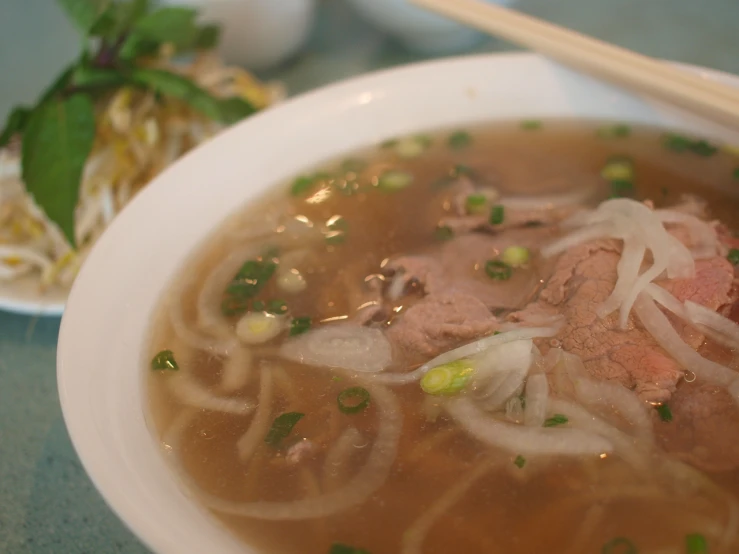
(58, 132)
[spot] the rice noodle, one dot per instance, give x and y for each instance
(585, 529)
(514, 410)
(259, 425)
(657, 324)
(188, 391)
(537, 394)
(470, 349)
(237, 370)
(343, 346)
(598, 393)
(339, 456)
(364, 483)
(414, 536)
(518, 439)
(722, 326)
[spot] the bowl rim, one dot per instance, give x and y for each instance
(86, 302)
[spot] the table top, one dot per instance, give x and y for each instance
(47, 503)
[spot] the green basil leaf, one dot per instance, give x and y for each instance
(59, 84)
(56, 143)
(15, 124)
(88, 76)
(226, 110)
(118, 18)
(84, 13)
(207, 37)
(172, 24)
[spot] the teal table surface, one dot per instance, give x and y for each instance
(47, 503)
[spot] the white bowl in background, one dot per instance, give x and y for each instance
(103, 339)
(419, 29)
(257, 34)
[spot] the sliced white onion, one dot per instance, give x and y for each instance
(500, 372)
(705, 317)
(237, 370)
(514, 410)
(475, 347)
(339, 456)
(576, 238)
(628, 272)
(537, 395)
(657, 324)
(519, 439)
(702, 233)
(344, 346)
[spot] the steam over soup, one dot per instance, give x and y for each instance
(512, 339)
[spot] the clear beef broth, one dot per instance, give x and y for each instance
(553, 505)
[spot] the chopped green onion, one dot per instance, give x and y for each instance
(733, 256)
(394, 180)
(498, 270)
(277, 307)
(516, 256)
(475, 203)
(619, 545)
(353, 165)
(556, 419)
(338, 548)
(736, 173)
(259, 306)
(618, 169)
(443, 232)
(531, 124)
(335, 237)
(281, 427)
(519, 462)
(304, 184)
(353, 400)
(299, 325)
(259, 327)
(665, 414)
(412, 147)
(678, 143)
(497, 214)
(452, 175)
(336, 378)
(447, 379)
(675, 142)
(619, 130)
(703, 148)
(695, 543)
(459, 140)
(621, 188)
(246, 284)
(164, 360)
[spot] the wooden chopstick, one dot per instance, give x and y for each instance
(642, 74)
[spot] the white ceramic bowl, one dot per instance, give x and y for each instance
(419, 29)
(104, 331)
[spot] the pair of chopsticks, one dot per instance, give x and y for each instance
(712, 100)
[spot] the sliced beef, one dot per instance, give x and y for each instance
(704, 430)
(458, 265)
(438, 323)
(582, 279)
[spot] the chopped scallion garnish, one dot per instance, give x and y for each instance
(619, 545)
(556, 419)
(394, 180)
(736, 174)
(665, 414)
(475, 203)
(498, 270)
(519, 462)
(678, 143)
(497, 214)
(335, 237)
(443, 232)
(619, 130)
(459, 140)
(164, 360)
(299, 325)
(618, 169)
(516, 256)
(447, 379)
(302, 185)
(695, 543)
(338, 548)
(353, 400)
(733, 256)
(412, 147)
(250, 279)
(621, 188)
(281, 428)
(531, 124)
(277, 307)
